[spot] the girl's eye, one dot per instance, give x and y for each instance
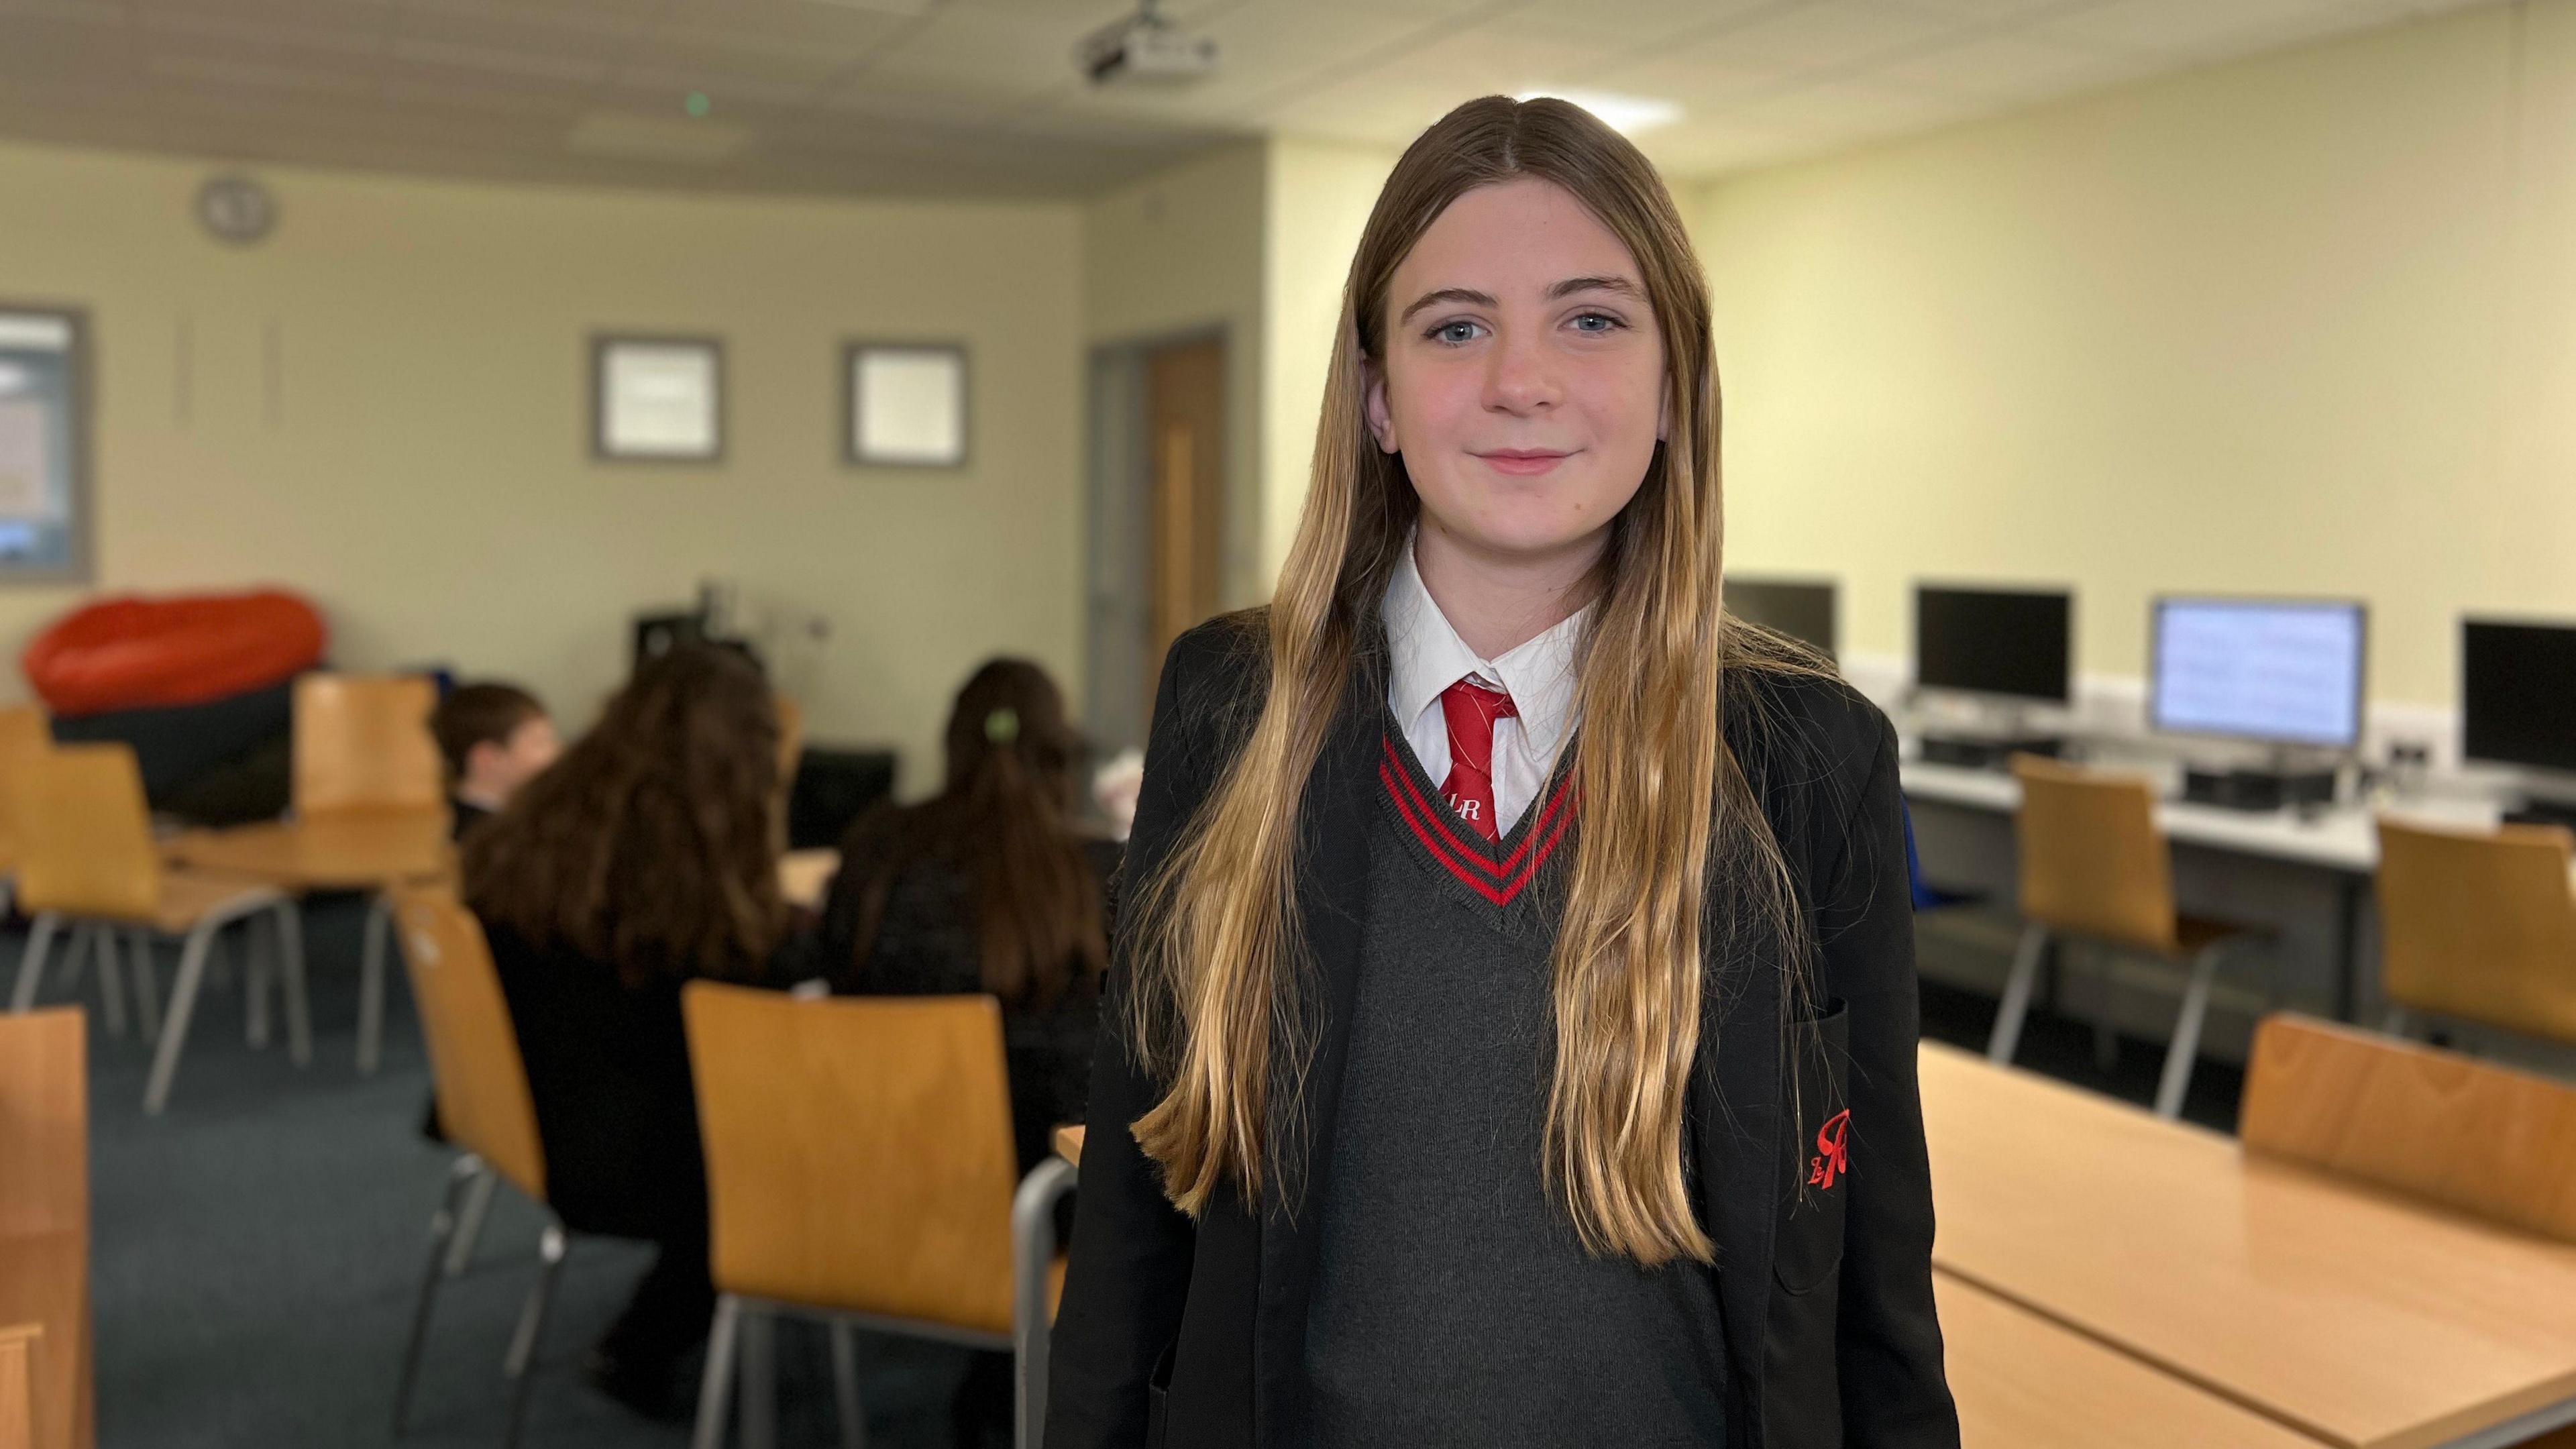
(1454, 334)
(1597, 323)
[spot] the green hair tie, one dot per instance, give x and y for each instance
(1002, 726)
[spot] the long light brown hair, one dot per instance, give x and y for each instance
(652, 845)
(1004, 822)
(1665, 809)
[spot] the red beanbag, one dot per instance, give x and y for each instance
(137, 653)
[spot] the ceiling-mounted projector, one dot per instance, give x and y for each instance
(1145, 49)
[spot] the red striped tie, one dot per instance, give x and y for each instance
(1471, 710)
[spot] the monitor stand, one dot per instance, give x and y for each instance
(1990, 744)
(2281, 784)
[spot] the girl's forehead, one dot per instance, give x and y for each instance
(1526, 233)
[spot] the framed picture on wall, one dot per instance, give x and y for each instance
(904, 404)
(656, 399)
(44, 445)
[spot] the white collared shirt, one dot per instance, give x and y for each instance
(1425, 656)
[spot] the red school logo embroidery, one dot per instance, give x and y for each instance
(1833, 1155)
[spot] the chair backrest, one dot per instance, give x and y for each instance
(2428, 1123)
(23, 735)
(44, 1123)
(83, 833)
(859, 1151)
(2480, 925)
(362, 742)
(2092, 860)
(474, 1063)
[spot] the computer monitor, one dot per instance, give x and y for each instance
(2518, 693)
(2280, 671)
(2010, 642)
(1801, 610)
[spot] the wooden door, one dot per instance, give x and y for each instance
(1185, 438)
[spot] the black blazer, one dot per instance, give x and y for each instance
(1187, 1334)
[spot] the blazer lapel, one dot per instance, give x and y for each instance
(1332, 899)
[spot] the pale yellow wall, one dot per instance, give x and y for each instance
(1320, 195)
(1180, 254)
(424, 475)
(2305, 324)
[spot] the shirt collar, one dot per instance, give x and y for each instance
(1425, 656)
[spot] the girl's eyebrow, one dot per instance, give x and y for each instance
(1446, 294)
(1572, 285)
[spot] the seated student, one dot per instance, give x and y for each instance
(646, 857)
(496, 738)
(987, 888)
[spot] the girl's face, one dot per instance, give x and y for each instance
(1523, 380)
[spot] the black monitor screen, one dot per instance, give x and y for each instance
(1990, 641)
(2518, 693)
(1801, 611)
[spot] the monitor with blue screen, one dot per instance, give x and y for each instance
(2278, 671)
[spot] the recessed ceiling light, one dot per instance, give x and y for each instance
(1625, 114)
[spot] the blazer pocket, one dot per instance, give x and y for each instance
(1158, 1392)
(1809, 1246)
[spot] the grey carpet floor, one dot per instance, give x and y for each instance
(258, 1247)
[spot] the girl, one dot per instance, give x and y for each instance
(986, 888)
(645, 857)
(1516, 1015)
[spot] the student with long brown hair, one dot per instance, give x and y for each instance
(1515, 1010)
(987, 888)
(645, 858)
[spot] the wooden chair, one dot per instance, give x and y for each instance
(484, 1108)
(19, 1344)
(23, 734)
(2479, 926)
(89, 863)
(2095, 867)
(2431, 1124)
(362, 742)
(44, 1222)
(860, 1170)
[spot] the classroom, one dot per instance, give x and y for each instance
(1179, 723)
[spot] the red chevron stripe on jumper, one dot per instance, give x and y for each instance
(1393, 772)
(1544, 834)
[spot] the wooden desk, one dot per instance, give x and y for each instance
(18, 1346)
(2023, 1382)
(327, 852)
(804, 875)
(2361, 1319)
(1068, 1143)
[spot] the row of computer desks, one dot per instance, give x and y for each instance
(2387, 1255)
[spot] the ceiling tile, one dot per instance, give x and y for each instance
(1822, 35)
(2008, 67)
(2194, 28)
(1628, 22)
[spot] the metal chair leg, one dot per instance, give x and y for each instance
(2016, 1003)
(31, 962)
(147, 986)
(845, 1387)
(466, 1170)
(469, 1225)
(258, 970)
(2185, 1050)
(288, 933)
(2397, 1022)
(532, 1323)
(371, 986)
(183, 1006)
(759, 1379)
(111, 979)
(716, 1387)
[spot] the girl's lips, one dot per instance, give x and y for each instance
(1523, 462)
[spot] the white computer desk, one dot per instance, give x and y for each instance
(2341, 843)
